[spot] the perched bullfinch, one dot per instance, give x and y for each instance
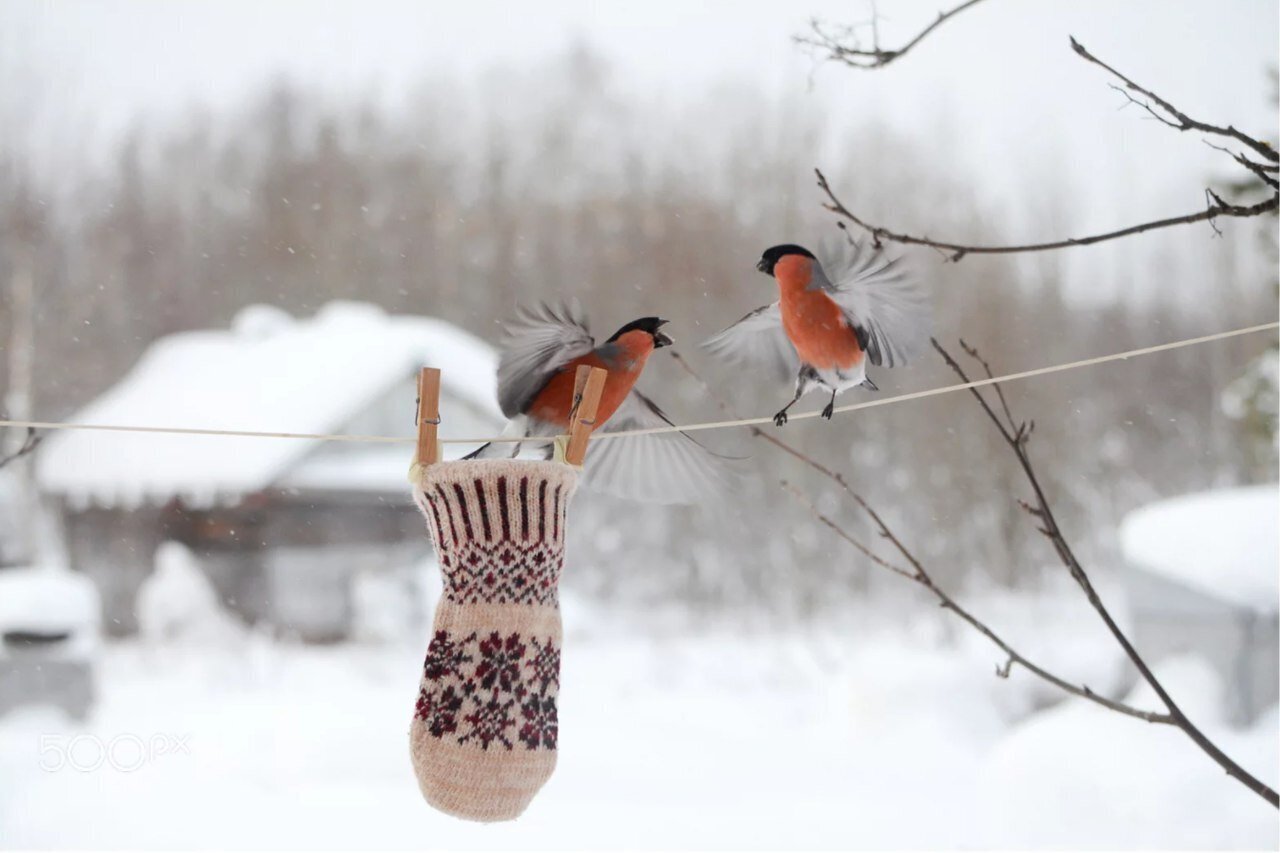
(832, 316)
(540, 357)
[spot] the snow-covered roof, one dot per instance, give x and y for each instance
(268, 372)
(1223, 543)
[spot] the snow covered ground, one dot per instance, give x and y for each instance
(885, 732)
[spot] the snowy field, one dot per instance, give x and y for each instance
(879, 733)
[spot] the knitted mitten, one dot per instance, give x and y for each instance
(483, 736)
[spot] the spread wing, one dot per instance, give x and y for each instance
(758, 340)
(539, 342)
(663, 468)
(887, 304)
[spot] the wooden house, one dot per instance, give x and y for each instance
(282, 526)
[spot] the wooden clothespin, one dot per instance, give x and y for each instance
(428, 417)
(588, 382)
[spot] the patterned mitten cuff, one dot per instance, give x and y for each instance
(483, 736)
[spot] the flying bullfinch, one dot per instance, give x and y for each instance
(540, 357)
(832, 316)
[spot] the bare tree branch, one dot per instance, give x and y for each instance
(844, 47)
(1158, 108)
(1263, 171)
(948, 603)
(1043, 513)
(1016, 435)
(1175, 117)
(33, 440)
(917, 573)
(956, 251)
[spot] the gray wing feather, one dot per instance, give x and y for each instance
(539, 342)
(758, 340)
(881, 296)
(663, 468)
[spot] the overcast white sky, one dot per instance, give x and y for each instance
(998, 86)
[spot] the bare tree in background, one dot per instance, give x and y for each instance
(1256, 156)
(1260, 161)
(1016, 436)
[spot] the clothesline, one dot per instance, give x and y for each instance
(601, 436)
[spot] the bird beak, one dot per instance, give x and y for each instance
(660, 339)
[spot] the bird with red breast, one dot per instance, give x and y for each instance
(833, 315)
(543, 348)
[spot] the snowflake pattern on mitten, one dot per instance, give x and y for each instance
(476, 688)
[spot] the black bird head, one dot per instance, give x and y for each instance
(646, 324)
(772, 255)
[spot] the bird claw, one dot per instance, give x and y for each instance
(829, 411)
(780, 418)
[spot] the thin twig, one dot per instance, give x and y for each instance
(972, 352)
(915, 577)
(1263, 171)
(918, 574)
(844, 47)
(948, 603)
(1049, 526)
(1175, 117)
(32, 441)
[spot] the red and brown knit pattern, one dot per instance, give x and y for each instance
(494, 690)
(485, 726)
(500, 538)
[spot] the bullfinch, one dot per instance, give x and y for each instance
(832, 316)
(543, 348)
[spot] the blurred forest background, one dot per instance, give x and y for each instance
(546, 182)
